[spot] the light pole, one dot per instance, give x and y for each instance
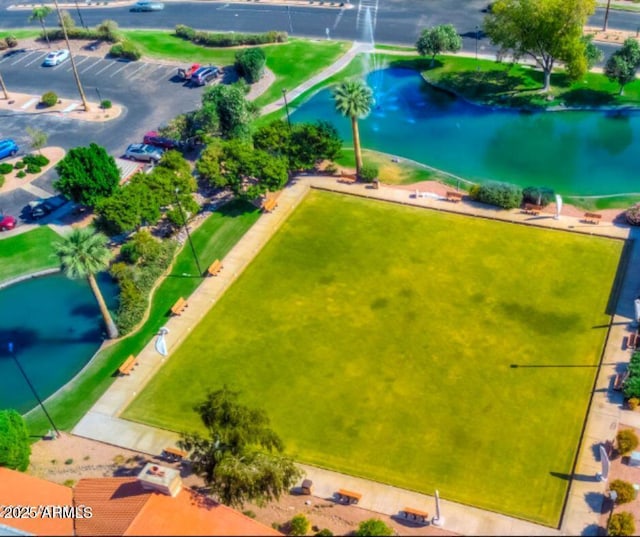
(186, 228)
(477, 39)
(24, 374)
(606, 16)
(286, 106)
(80, 16)
(4, 88)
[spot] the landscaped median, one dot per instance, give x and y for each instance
(70, 108)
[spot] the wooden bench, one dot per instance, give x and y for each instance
(619, 380)
(349, 497)
(179, 306)
(530, 208)
(214, 268)
(173, 454)
(592, 218)
(454, 196)
(270, 204)
(127, 365)
(415, 514)
(348, 179)
(632, 340)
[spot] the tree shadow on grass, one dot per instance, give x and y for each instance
(587, 97)
(419, 64)
(487, 85)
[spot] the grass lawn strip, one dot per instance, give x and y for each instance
(212, 240)
(380, 343)
(27, 253)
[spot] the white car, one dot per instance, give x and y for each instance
(56, 57)
(143, 152)
(146, 5)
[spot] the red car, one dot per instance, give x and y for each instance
(185, 74)
(154, 139)
(7, 222)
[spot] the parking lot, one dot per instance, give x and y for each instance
(149, 93)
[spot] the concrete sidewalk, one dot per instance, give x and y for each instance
(103, 421)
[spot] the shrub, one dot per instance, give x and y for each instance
(3, 45)
(249, 513)
(326, 532)
(538, 195)
(106, 104)
(19, 165)
(624, 490)
(2, 179)
(627, 441)
(633, 403)
(331, 169)
(5, 167)
(108, 30)
(373, 526)
(632, 215)
(33, 168)
(126, 49)
(35, 159)
(49, 98)
(68, 461)
(250, 64)
(369, 172)
(503, 195)
(622, 524)
(69, 483)
(185, 32)
(230, 39)
(299, 525)
(21, 175)
(11, 41)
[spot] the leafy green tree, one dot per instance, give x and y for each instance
(87, 175)
(129, 207)
(312, 143)
(354, 99)
(82, 254)
(15, 448)
(181, 127)
(627, 441)
(234, 111)
(373, 526)
(250, 63)
(546, 30)
(274, 137)
(40, 13)
(439, 39)
(622, 65)
(108, 30)
(241, 457)
(622, 524)
(299, 525)
(38, 138)
(592, 53)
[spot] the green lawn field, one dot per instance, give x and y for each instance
(413, 347)
(28, 253)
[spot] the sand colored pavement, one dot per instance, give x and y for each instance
(24, 103)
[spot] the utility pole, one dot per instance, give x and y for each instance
(85, 104)
(606, 16)
(186, 228)
(4, 88)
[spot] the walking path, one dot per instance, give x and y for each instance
(103, 421)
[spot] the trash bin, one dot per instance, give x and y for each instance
(306, 486)
(376, 183)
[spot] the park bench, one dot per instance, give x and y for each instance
(179, 306)
(530, 208)
(632, 340)
(347, 178)
(619, 380)
(348, 496)
(454, 196)
(127, 365)
(214, 268)
(592, 218)
(415, 514)
(173, 454)
(270, 204)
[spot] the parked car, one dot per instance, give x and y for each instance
(8, 148)
(186, 74)
(56, 57)
(143, 152)
(204, 75)
(40, 208)
(154, 139)
(144, 5)
(7, 222)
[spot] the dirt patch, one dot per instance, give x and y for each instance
(54, 154)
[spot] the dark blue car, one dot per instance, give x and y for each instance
(8, 148)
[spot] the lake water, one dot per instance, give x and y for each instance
(575, 153)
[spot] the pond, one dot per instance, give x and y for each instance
(56, 327)
(575, 153)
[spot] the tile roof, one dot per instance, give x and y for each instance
(20, 489)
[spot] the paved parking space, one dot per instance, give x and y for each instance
(147, 91)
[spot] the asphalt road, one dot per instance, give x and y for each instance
(148, 92)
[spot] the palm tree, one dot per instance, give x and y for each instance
(82, 254)
(354, 99)
(40, 13)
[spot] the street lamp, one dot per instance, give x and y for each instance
(286, 106)
(477, 39)
(186, 228)
(24, 374)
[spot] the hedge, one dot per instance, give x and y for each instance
(229, 39)
(503, 195)
(126, 49)
(81, 33)
(632, 384)
(250, 64)
(538, 195)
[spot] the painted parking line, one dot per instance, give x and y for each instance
(110, 63)
(35, 58)
(97, 62)
(21, 58)
(167, 73)
(78, 62)
(130, 76)
(121, 68)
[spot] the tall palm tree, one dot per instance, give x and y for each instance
(4, 88)
(354, 99)
(40, 13)
(82, 254)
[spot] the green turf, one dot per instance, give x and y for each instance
(212, 240)
(27, 253)
(380, 338)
